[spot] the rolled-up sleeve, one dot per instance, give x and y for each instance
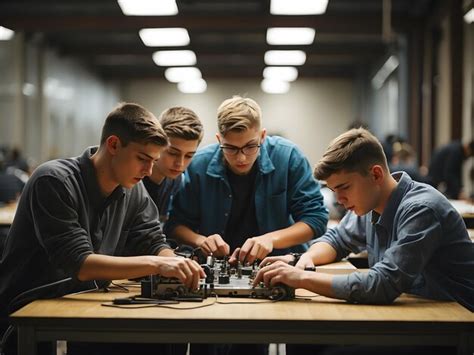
(145, 234)
(418, 234)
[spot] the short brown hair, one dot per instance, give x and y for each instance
(238, 114)
(181, 122)
(133, 123)
(354, 151)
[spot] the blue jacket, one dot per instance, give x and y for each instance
(286, 192)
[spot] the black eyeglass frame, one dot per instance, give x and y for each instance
(235, 150)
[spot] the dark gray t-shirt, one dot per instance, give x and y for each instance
(62, 217)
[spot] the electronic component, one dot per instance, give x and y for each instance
(222, 279)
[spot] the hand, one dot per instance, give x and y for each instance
(214, 244)
(253, 249)
(271, 259)
(280, 272)
(185, 270)
(306, 261)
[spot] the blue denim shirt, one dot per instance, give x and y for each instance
(419, 245)
(286, 192)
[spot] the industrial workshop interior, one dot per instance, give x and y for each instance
(236, 176)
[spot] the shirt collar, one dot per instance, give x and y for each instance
(89, 176)
(388, 214)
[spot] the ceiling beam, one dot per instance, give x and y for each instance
(359, 24)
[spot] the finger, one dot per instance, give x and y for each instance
(254, 252)
(258, 277)
(267, 261)
(222, 247)
(234, 256)
(188, 275)
(248, 245)
(269, 275)
(211, 244)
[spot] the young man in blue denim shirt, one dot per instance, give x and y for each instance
(416, 241)
(249, 194)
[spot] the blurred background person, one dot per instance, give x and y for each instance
(445, 170)
(404, 159)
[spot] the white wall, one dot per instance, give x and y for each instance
(313, 112)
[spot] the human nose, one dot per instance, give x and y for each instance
(148, 168)
(179, 161)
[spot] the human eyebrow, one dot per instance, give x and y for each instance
(147, 155)
(341, 185)
(251, 142)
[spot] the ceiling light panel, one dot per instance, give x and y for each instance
(176, 75)
(292, 57)
(164, 37)
(196, 86)
(298, 7)
(281, 73)
(290, 35)
(148, 7)
(271, 86)
(174, 58)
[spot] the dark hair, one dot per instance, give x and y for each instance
(133, 123)
(181, 122)
(354, 151)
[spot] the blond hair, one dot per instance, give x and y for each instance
(356, 150)
(238, 114)
(181, 122)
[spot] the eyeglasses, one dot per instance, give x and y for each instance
(250, 149)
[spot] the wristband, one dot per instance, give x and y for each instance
(296, 258)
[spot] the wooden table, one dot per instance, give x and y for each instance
(308, 319)
(7, 213)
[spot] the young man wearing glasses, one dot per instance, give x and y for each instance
(250, 194)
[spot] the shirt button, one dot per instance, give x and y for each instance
(226, 214)
(230, 196)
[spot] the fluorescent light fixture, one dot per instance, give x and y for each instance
(5, 33)
(280, 73)
(295, 57)
(176, 75)
(196, 86)
(384, 72)
(164, 37)
(28, 89)
(148, 7)
(469, 16)
(174, 58)
(290, 35)
(298, 7)
(271, 86)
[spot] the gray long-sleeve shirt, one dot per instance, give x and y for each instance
(62, 217)
(419, 245)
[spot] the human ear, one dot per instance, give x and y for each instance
(113, 144)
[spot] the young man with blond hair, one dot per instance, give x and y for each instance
(184, 131)
(87, 219)
(249, 194)
(416, 241)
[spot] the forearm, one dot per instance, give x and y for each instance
(319, 283)
(296, 234)
(322, 253)
(105, 267)
(186, 235)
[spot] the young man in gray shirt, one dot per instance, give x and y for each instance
(89, 218)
